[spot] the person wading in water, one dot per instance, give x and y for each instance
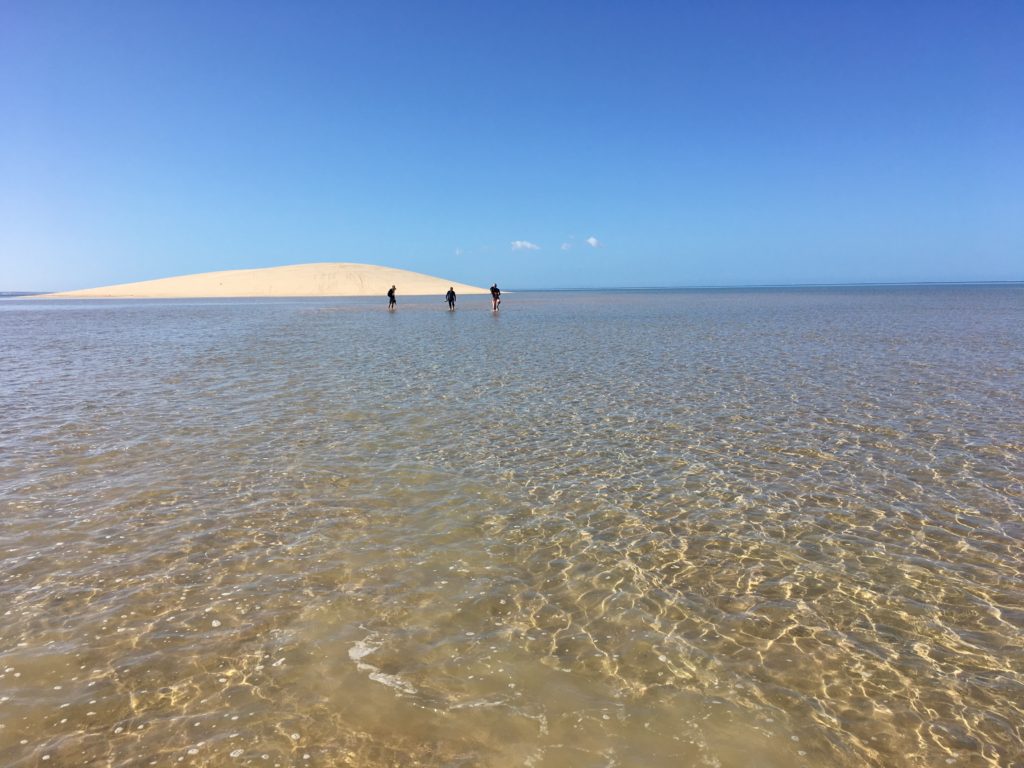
(391, 299)
(450, 298)
(495, 297)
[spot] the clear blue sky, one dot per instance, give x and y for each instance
(696, 142)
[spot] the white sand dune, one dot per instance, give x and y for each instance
(326, 279)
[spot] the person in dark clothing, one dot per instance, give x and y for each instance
(450, 298)
(391, 299)
(495, 297)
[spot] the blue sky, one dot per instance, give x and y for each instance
(696, 143)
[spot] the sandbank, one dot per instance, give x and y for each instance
(297, 280)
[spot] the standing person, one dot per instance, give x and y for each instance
(450, 298)
(495, 297)
(391, 299)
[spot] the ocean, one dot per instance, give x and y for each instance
(718, 527)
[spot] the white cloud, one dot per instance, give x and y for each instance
(458, 251)
(524, 245)
(593, 242)
(566, 246)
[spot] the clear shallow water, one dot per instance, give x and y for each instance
(722, 528)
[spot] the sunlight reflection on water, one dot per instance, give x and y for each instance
(724, 528)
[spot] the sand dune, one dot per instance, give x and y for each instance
(326, 279)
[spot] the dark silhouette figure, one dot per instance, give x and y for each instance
(391, 299)
(495, 297)
(450, 298)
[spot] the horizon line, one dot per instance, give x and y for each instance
(717, 286)
(777, 285)
(735, 286)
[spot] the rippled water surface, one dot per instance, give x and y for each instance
(711, 528)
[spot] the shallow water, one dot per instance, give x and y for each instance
(712, 528)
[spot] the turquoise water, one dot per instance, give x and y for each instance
(720, 527)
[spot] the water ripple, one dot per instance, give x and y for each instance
(596, 530)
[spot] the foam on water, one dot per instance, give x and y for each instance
(361, 650)
(715, 528)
